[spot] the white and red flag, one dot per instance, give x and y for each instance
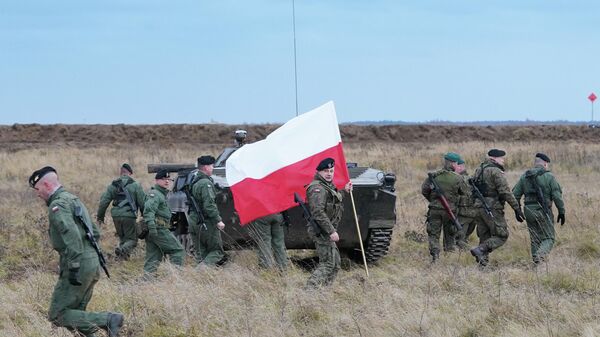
(263, 176)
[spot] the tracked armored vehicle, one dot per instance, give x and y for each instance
(373, 194)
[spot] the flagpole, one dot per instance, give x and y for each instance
(362, 249)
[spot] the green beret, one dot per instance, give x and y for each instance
(454, 157)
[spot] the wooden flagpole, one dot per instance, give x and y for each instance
(362, 250)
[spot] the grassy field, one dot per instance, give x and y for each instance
(404, 296)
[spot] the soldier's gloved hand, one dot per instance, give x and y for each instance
(519, 215)
(74, 276)
(152, 232)
(561, 219)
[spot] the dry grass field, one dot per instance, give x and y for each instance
(404, 296)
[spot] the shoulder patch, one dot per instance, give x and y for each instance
(55, 209)
(152, 194)
(317, 190)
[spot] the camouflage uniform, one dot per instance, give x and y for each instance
(325, 205)
(438, 219)
(466, 215)
(492, 232)
(540, 224)
(159, 241)
(206, 236)
(68, 238)
(268, 234)
(122, 214)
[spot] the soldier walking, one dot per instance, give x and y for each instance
(267, 232)
(438, 218)
(491, 227)
(466, 210)
(540, 189)
(157, 216)
(79, 261)
(206, 226)
(127, 198)
(325, 205)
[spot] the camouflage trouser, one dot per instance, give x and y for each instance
(126, 231)
(329, 263)
(492, 232)
(462, 237)
(68, 304)
(438, 221)
(208, 244)
(157, 246)
(541, 231)
(267, 232)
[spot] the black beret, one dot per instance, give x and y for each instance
(37, 175)
(162, 174)
(127, 167)
(542, 157)
(496, 153)
(326, 163)
(206, 160)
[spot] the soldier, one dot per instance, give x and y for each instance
(540, 189)
(157, 216)
(492, 228)
(79, 262)
(466, 210)
(438, 219)
(325, 205)
(206, 227)
(127, 198)
(268, 234)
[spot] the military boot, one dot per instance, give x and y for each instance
(114, 324)
(480, 255)
(435, 257)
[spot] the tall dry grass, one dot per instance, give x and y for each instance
(404, 296)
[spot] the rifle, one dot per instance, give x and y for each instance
(481, 198)
(128, 198)
(307, 215)
(192, 202)
(442, 198)
(540, 195)
(89, 234)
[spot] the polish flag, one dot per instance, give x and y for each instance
(263, 176)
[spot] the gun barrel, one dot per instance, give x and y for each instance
(171, 167)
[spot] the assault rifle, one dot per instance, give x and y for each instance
(481, 198)
(192, 202)
(129, 199)
(89, 234)
(540, 195)
(442, 198)
(307, 215)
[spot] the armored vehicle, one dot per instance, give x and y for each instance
(374, 197)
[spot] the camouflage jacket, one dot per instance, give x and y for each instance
(550, 188)
(156, 209)
(452, 184)
(121, 207)
(490, 179)
(325, 204)
(205, 193)
(67, 234)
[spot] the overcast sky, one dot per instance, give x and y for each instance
(151, 61)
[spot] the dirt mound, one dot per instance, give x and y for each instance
(24, 135)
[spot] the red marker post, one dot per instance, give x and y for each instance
(592, 97)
